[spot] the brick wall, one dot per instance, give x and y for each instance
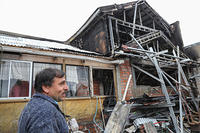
(96, 88)
(125, 71)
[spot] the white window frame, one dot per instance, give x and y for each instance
(47, 67)
(30, 80)
(89, 84)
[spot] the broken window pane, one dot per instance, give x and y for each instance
(103, 82)
(77, 78)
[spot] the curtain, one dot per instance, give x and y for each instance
(40, 66)
(77, 80)
(12, 72)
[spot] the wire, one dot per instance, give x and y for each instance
(95, 116)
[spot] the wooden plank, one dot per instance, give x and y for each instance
(118, 118)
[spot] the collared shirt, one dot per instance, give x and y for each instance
(42, 115)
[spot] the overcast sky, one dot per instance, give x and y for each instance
(60, 19)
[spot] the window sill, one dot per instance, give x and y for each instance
(15, 100)
(7, 100)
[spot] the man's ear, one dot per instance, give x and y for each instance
(45, 89)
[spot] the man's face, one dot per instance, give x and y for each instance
(57, 89)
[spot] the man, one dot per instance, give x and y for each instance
(42, 113)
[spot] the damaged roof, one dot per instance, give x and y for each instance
(117, 10)
(13, 39)
(110, 27)
(193, 51)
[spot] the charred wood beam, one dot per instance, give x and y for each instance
(172, 57)
(179, 90)
(111, 36)
(134, 17)
(159, 53)
(148, 37)
(118, 118)
(124, 12)
(117, 32)
(158, 21)
(164, 90)
(128, 54)
(130, 25)
(140, 16)
(184, 86)
(147, 73)
(161, 105)
(185, 79)
(171, 44)
(157, 43)
(144, 51)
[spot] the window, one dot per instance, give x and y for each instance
(103, 82)
(77, 80)
(15, 79)
(37, 67)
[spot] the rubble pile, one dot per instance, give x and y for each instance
(151, 114)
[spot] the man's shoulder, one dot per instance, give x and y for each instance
(41, 103)
(38, 107)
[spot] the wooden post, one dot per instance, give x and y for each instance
(118, 118)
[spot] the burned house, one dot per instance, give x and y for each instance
(153, 53)
(124, 52)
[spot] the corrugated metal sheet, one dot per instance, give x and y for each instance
(31, 43)
(140, 121)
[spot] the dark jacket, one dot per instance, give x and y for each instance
(42, 115)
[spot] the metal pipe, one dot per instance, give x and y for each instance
(126, 89)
